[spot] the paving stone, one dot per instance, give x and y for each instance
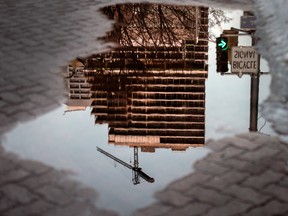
(8, 87)
(232, 208)
(284, 182)
(275, 164)
(17, 193)
(260, 139)
(189, 181)
(173, 198)
(272, 208)
(11, 109)
(258, 155)
(12, 176)
(209, 196)
(247, 194)
(210, 168)
(37, 88)
(48, 178)
(34, 208)
(223, 181)
(278, 192)
(271, 22)
(11, 97)
(34, 166)
(45, 109)
(23, 116)
(2, 103)
(192, 209)
(5, 120)
(29, 27)
(54, 195)
(40, 99)
(6, 203)
(237, 164)
(260, 181)
(75, 189)
(26, 106)
(6, 165)
(241, 143)
(216, 145)
(220, 157)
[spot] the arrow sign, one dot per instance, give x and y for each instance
(222, 42)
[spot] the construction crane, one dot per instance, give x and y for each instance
(136, 171)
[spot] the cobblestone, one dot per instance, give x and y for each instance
(173, 198)
(247, 194)
(18, 193)
(193, 209)
(12, 176)
(272, 22)
(264, 179)
(278, 192)
(209, 196)
(31, 188)
(243, 188)
(232, 208)
(271, 208)
(37, 40)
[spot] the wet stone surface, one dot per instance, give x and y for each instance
(246, 175)
(250, 182)
(32, 188)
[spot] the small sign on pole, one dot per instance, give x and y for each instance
(244, 59)
(248, 22)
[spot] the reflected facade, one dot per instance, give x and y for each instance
(151, 89)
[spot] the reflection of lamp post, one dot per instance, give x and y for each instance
(135, 169)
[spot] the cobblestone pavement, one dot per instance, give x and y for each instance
(272, 25)
(38, 38)
(32, 188)
(244, 175)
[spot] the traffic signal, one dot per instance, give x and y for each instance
(222, 54)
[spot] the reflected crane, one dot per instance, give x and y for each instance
(136, 170)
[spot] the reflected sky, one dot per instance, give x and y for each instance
(69, 141)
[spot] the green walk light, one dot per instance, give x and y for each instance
(222, 43)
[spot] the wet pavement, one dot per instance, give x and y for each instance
(31, 188)
(246, 174)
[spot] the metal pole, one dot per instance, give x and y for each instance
(254, 95)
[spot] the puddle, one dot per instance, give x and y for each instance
(164, 109)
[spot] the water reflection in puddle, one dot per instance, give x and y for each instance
(150, 94)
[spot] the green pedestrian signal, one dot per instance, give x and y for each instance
(222, 43)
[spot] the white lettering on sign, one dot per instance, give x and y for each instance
(244, 59)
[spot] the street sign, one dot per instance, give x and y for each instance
(248, 22)
(244, 59)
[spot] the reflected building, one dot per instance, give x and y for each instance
(79, 95)
(151, 89)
